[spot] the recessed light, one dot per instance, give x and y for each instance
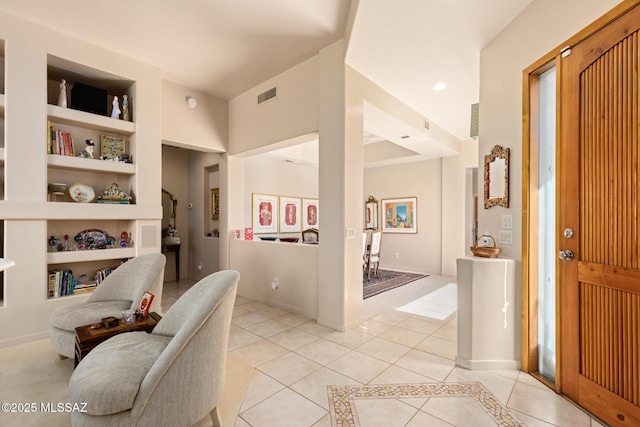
(440, 86)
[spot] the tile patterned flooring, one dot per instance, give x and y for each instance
(284, 369)
(296, 367)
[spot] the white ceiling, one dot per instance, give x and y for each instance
(225, 47)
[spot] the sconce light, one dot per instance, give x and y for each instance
(191, 102)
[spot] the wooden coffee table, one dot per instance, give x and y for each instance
(87, 338)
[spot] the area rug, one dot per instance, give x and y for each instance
(386, 280)
(439, 304)
(343, 401)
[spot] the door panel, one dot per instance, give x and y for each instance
(598, 198)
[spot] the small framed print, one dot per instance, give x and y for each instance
(112, 146)
(145, 303)
(400, 215)
(310, 213)
(264, 213)
(291, 215)
(215, 203)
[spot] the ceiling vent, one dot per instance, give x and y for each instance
(268, 95)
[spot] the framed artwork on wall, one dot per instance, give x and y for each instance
(264, 213)
(291, 217)
(215, 203)
(400, 215)
(310, 213)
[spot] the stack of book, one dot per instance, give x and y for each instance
(59, 142)
(83, 287)
(61, 283)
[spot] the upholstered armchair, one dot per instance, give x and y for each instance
(121, 290)
(173, 376)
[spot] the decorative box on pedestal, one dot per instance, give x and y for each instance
(248, 233)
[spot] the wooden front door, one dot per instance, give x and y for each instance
(599, 200)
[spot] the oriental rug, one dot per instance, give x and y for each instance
(486, 410)
(387, 280)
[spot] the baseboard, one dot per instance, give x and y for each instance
(487, 365)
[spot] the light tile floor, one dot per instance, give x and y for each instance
(280, 365)
(293, 360)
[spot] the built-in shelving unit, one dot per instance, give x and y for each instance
(31, 75)
(67, 217)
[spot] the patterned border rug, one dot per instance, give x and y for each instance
(388, 280)
(342, 399)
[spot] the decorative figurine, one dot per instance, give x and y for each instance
(125, 108)
(124, 239)
(89, 148)
(113, 194)
(115, 112)
(62, 98)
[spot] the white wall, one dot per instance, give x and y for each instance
(543, 26)
(203, 249)
(293, 113)
(421, 252)
(204, 127)
(297, 280)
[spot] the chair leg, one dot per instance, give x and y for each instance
(215, 417)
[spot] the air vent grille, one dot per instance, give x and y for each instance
(268, 95)
(426, 125)
(475, 118)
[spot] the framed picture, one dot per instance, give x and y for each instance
(310, 213)
(145, 303)
(400, 215)
(291, 215)
(215, 203)
(112, 146)
(264, 213)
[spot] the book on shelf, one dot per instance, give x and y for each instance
(84, 287)
(59, 142)
(102, 274)
(61, 283)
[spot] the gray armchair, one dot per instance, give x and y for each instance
(121, 290)
(173, 376)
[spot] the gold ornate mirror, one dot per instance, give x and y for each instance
(168, 210)
(371, 213)
(496, 178)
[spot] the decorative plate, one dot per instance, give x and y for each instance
(82, 193)
(289, 239)
(94, 239)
